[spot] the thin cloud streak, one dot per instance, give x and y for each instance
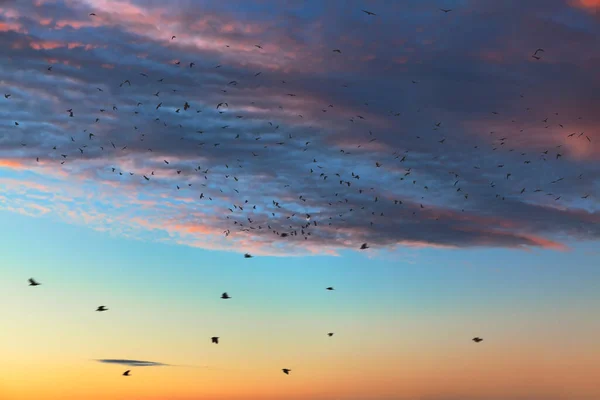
(133, 363)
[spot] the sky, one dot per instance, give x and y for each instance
(146, 146)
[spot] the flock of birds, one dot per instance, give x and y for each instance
(246, 223)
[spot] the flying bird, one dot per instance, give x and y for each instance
(477, 339)
(215, 339)
(225, 296)
(32, 282)
(364, 246)
(368, 12)
(286, 371)
(126, 373)
(102, 308)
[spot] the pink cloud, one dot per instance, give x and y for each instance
(545, 243)
(46, 45)
(12, 164)
(10, 26)
(588, 5)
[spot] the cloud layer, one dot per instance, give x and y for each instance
(425, 129)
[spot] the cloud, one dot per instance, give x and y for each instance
(133, 363)
(317, 151)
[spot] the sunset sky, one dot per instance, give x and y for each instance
(469, 166)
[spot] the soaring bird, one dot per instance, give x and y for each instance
(225, 296)
(126, 373)
(215, 339)
(364, 246)
(329, 288)
(286, 371)
(247, 255)
(32, 282)
(330, 334)
(477, 339)
(445, 10)
(102, 308)
(368, 12)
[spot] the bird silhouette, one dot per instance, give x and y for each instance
(225, 296)
(126, 373)
(33, 282)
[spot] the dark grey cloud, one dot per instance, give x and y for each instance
(504, 118)
(133, 363)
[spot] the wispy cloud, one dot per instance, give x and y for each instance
(134, 363)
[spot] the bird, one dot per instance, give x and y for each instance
(337, 51)
(126, 373)
(248, 255)
(215, 339)
(445, 10)
(225, 296)
(329, 288)
(330, 334)
(286, 371)
(477, 339)
(92, 14)
(32, 282)
(102, 308)
(368, 12)
(537, 51)
(364, 246)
